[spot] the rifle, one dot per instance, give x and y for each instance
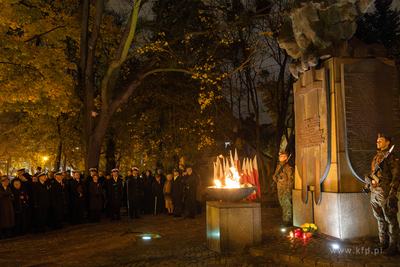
(273, 184)
(371, 178)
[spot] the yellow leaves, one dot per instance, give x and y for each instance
(267, 33)
(205, 99)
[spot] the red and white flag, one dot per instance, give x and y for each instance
(253, 180)
(232, 161)
(257, 178)
(244, 176)
(237, 163)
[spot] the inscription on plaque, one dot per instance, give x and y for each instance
(310, 134)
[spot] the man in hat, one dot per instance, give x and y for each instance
(283, 177)
(177, 193)
(383, 195)
(26, 179)
(77, 190)
(157, 190)
(41, 200)
(135, 192)
(38, 171)
(115, 194)
(191, 180)
(59, 200)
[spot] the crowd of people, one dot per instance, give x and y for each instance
(32, 203)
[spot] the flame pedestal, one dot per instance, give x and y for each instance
(231, 226)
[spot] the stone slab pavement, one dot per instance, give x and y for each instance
(182, 242)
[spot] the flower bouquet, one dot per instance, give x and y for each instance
(309, 229)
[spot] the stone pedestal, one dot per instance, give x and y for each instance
(232, 225)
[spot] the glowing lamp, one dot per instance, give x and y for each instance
(146, 238)
(335, 246)
(304, 235)
(283, 230)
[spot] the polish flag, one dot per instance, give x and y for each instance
(248, 175)
(232, 161)
(251, 172)
(257, 178)
(237, 163)
(253, 181)
(244, 176)
(221, 173)
(215, 171)
(226, 166)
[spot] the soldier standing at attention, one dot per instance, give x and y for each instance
(283, 177)
(383, 195)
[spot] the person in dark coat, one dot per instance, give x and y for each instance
(106, 203)
(60, 200)
(88, 180)
(135, 192)
(95, 190)
(148, 180)
(77, 192)
(191, 180)
(162, 176)
(115, 194)
(6, 207)
(20, 205)
(41, 200)
(157, 189)
(177, 193)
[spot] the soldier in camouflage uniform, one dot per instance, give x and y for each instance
(383, 196)
(283, 178)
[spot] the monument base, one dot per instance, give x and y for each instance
(342, 215)
(232, 225)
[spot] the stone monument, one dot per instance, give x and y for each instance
(347, 92)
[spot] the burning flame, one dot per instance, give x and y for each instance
(231, 179)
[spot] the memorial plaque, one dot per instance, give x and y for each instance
(371, 93)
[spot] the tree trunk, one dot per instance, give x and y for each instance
(59, 147)
(110, 151)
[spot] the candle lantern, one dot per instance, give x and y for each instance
(297, 233)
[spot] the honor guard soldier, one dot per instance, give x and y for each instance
(283, 178)
(384, 177)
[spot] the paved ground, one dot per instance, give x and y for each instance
(182, 242)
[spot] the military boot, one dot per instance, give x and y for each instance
(391, 250)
